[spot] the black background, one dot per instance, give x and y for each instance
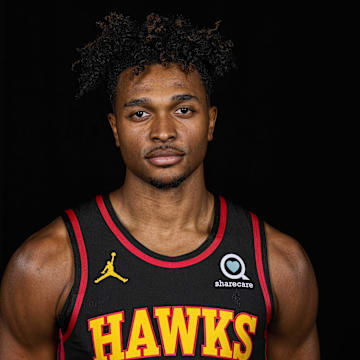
(270, 149)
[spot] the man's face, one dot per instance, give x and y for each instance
(162, 124)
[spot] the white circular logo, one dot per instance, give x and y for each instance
(233, 267)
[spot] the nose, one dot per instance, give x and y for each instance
(163, 129)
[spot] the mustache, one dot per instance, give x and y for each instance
(165, 147)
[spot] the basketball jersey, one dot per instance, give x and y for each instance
(128, 302)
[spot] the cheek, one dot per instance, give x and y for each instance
(198, 143)
(130, 144)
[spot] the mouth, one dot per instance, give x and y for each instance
(165, 158)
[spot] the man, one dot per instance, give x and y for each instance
(160, 267)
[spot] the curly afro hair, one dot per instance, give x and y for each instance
(124, 43)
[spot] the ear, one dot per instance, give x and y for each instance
(112, 120)
(213, 111)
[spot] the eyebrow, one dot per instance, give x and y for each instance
(175, 98)
(184, 97)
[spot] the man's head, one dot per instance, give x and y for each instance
(159, 76)
(162, 123)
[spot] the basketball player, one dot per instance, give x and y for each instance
(160, 267)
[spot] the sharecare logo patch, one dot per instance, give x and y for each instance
(233, 267)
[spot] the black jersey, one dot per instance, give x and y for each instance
(128, 302)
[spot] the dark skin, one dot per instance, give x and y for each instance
(153, 112)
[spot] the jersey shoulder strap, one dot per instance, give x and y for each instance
(68, 316)
(262, 264)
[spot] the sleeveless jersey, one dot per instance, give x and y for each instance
(128, 302)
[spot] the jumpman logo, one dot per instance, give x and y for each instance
(109, 271)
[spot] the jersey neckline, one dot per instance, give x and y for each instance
(134, 246)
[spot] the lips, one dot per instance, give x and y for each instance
(164, 157)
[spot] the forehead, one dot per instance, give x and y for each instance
(159, 79)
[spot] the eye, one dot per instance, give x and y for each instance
(183, 111)
(139, 114)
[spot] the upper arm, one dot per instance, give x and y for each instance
(292, 333)
(30, 291)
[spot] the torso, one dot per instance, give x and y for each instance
(153, 278)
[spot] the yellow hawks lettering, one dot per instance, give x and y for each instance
(178, 325)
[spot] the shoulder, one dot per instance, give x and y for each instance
(292, 279)
(287, 255)
(42, 254)
(37, 276)
(39, 248)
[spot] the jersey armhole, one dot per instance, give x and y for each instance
(264, 253)
(68, 315)
(261, 259)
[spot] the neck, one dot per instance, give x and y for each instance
(142, 206)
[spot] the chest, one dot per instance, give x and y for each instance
(172, 243)
(209, 308)
(207, 303)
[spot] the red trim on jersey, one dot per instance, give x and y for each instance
(60, 351)
(162, 263)
(260, 271)
(84, 272)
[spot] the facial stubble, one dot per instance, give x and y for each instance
(174, 183)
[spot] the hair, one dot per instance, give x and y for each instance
(124, 43)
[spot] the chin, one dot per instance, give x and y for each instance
(165, 185)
